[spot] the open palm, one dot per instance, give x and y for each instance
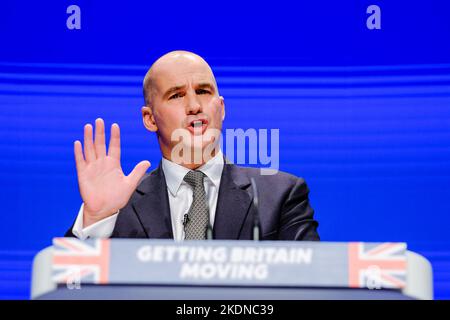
(104, 187)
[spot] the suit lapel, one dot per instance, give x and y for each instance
(153, 208)
(233, 203)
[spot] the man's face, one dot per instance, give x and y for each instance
(185, 99)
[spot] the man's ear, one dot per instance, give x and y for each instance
(148, 119)
(222, 103)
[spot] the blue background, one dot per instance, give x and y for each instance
(364, 115)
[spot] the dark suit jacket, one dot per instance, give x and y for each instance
(284, 209)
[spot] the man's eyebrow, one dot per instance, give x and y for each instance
(172, 90)
(206, 85)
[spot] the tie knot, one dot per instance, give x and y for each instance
(194, 178)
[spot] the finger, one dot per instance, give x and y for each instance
(114, 142)
(79, 159)
(89, 150)
(138, 172)
(99, 142)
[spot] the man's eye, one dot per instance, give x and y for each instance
(175, 96)
(202, 91)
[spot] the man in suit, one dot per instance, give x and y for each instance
(183, 199)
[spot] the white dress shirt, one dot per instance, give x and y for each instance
(180, 196)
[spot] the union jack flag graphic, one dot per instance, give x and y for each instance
(377, 266)
(76, 260)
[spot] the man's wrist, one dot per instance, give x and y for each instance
(90, 218)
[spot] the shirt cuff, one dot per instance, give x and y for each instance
(100, 229)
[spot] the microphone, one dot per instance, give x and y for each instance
(185, 220)
(256, 222)
(209, 232)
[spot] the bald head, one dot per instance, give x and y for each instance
(180, 90)
(170, 66)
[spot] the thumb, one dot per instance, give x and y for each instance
(138, 172)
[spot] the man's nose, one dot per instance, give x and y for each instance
(193, 105)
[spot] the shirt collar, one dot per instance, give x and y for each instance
(174, 173)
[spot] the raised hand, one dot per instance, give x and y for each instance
(103, 186)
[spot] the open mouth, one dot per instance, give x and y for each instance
(198, 126)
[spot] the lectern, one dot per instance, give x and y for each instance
(213, 269)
